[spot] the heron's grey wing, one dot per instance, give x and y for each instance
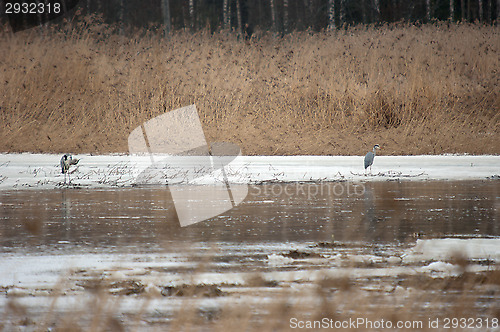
(62, 164)
(74, 161)
(369, 159)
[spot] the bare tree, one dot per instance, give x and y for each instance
(428, 10)
(273, 16)
(308, 17)
(452, 10)
(229, 13)
(285, 16)
(488, 11)
(376, 3)
(394, 10)
(121, 13)
(480, 5)
(165, 11)
(225, 15)
(342, 17)
(191, 13)
(238, 15)
(363, 11)
(331, 14)
(40, 18)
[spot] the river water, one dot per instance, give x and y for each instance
(145, 218)
(290, 234)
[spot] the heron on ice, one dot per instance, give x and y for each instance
(66, 162)
(369, 158)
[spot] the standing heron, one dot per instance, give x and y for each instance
(369, 158)
(66, 162)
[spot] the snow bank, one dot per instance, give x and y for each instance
(442, 268)
(446, 249)
(19, 171)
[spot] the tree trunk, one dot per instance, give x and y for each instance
(40, 18)
(363, 11)
(285, 16)
(488, 11)
(165, 11)
(331, 14)
(238, 15)
(428, 10)
(229, 13)
(225, 15)
(191, 13)
(394, 10)
(462, 7)
(342, 17)
(452, 10)
(480, 5)
(377, 10)
(121, 14)
(308, 22)
(273, 16)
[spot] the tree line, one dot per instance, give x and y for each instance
(281, 16)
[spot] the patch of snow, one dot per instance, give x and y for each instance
(277, 260)
(443, 268)
(443, 249)
(22, 171)
(153, 290)
(394, 260)
(365, 259)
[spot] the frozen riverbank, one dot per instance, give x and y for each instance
(43, 171)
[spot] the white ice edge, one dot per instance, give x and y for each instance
(433, 256)
(42, 171)
(445, 249)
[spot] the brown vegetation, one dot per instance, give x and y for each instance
(413, 89)
(470, 300)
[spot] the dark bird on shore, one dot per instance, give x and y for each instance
(66, 162)
(370, 156)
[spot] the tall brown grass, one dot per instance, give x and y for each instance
(413, 89)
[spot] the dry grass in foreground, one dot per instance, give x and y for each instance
(412, 303)
(413, 89)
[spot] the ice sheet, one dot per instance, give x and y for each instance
(18, 171)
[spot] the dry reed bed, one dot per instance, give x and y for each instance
(413, 89)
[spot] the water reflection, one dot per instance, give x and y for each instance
(145, 218)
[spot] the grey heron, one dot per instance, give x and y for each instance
(66, 162)
(370, 156)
